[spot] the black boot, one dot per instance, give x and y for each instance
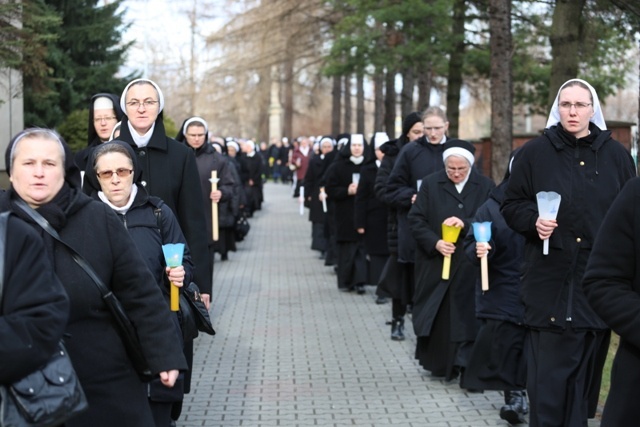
(515, 408)
(397, 329)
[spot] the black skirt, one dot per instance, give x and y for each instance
(497, 360)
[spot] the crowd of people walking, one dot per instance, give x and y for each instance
(394, 214)
(380, 211)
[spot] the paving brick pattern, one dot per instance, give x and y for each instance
(291, 350)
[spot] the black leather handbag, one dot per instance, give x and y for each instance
(125, 328)
(46, 397)
(194, 316)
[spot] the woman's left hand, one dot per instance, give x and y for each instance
(168, 378)
(176, 275)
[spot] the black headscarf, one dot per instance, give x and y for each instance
(407, 124)
(71, 172)
(93, 138)
(91, 183)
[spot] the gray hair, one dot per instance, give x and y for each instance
(32, 133)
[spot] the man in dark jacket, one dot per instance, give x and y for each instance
(416, 160)
(576, 158)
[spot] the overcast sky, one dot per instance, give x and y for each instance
(160, 29)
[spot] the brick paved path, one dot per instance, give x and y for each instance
(291, 350)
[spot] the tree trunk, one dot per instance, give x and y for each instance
(424, 87)
(501, 86)
(378, 99)
(390, 102)
(336, 95)
(565, 42)
(456, 59)
(346, 127)
(406, 95)
(287, 127)
(360, 103)
(264, 98)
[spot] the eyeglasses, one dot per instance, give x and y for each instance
(433, 128)
(459, 170)
(121, 172)
(579, 105)
(136, 104)
(104, 119)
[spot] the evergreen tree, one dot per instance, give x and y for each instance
(27, 28)
(83, 61)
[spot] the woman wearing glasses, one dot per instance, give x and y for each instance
(169, 172)
(45, 182)
(443, 310)
(104, 113)
(113, 168)
(576, 158)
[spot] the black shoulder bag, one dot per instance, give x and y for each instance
(194, 315)
(48, 396)
(125, 328)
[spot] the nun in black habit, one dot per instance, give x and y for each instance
(104, 114)
(443, 310)
(341, 186)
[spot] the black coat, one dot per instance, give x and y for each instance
(339, 176)
(312, 188)
(612, 286)
(502, 300)
(251, 176)
(390, 150)
(207, 160)
(437, 200)
(114, 392)
(588, 174)
(169, 172)
(150, 231)
(416, 160)
(370, 213)
(35, 307)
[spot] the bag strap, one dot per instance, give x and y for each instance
(157, 211)
(4, 217)
(42, 222)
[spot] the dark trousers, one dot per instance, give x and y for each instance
(559, 370)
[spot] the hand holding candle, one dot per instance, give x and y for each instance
(214, 206)
(548, 206)
(482, 234)
(323, 197)
(173, 253)
(450, 234)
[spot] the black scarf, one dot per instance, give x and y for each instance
(55, 212)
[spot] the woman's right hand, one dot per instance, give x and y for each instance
(168, 378)
(445, 248)
(482, 249)
(545, 227)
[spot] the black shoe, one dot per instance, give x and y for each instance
(397, 329)
(360, 289)
(348, 289)
(224, 257)
(381, 300)
(516, 407)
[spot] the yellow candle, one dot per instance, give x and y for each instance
(175, 297)
(450, 234)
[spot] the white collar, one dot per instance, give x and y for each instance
(141, 140)
(121, 210)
